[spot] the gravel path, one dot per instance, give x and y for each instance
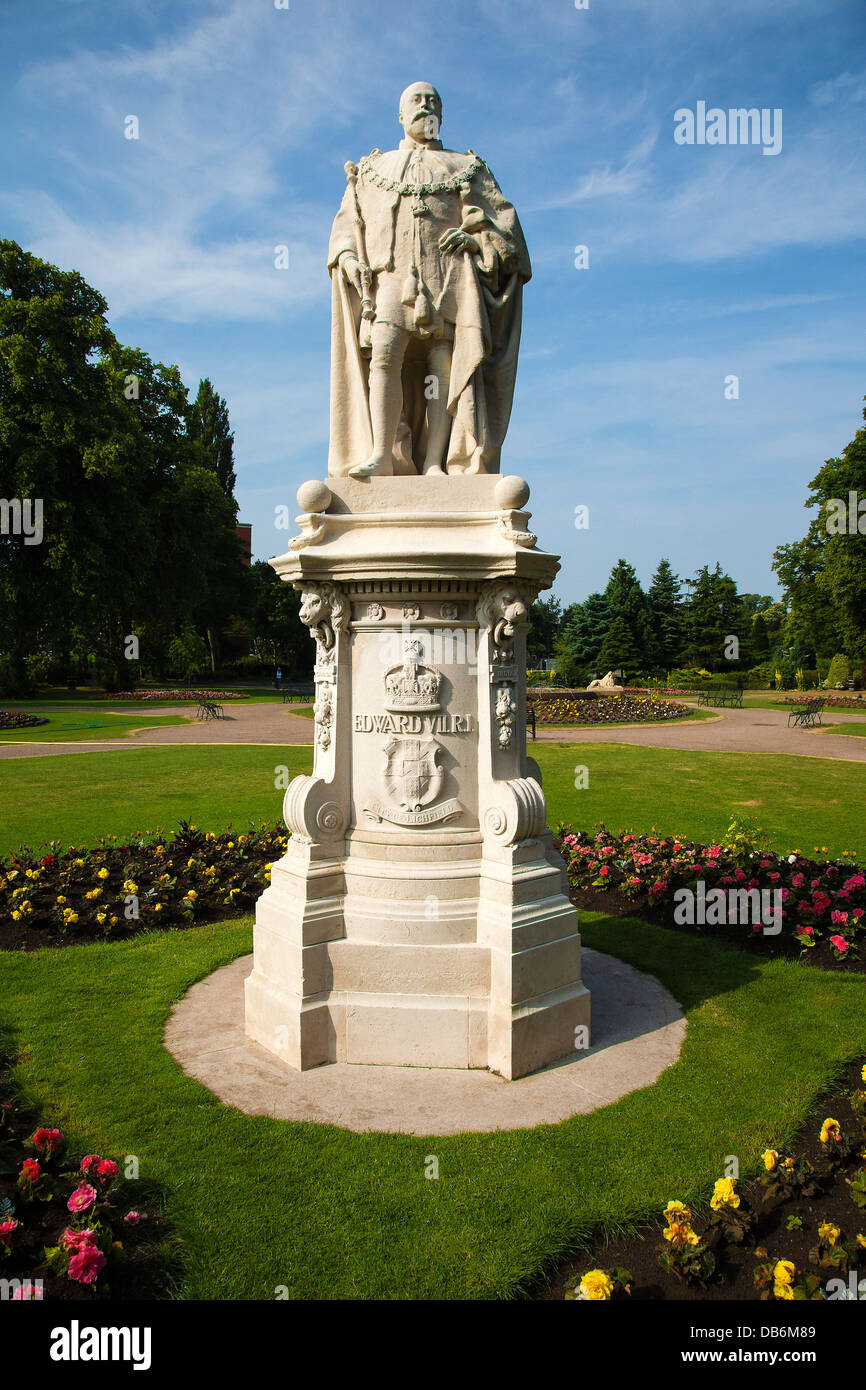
(734, 731)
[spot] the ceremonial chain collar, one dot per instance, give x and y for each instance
(415, 190)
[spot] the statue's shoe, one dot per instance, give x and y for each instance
(367, 470)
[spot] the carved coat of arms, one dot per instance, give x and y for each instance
(412, 776)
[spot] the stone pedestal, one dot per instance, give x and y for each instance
(420, 915)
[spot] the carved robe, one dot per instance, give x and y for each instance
(407, 199)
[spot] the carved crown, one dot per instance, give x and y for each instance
(412, 686)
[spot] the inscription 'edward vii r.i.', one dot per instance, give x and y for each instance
(414, 724)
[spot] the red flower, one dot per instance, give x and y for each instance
(46, 1140)
(30, 1171)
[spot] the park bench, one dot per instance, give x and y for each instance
(728, 696)
(209, 709)
(297, 691)
(808, 716)
(530, 719)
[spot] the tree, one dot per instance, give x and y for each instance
(545, 618)
(618, 650)
(584, 628)
(188, 653)
(627, 600)
(139, 535)
(713, 616)
(666, 616)
(208, 426)
(278, 635)
(824, 575)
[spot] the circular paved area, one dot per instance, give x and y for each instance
(638, 1032)
(733, 731)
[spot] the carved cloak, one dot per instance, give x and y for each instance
(484, 297)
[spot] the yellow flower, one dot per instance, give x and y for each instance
(69, 916)
(769, 1156)
(724, 1194)
(830, 1129)
(94, 893)
(157, 907)
(130, 887)
(861, 1241)
(828, 1233)
(16, 916)
(192, 894)
(596, 1285)
(784, 1271)
(103, 873)
(680, 1233)
(113, 921)
(783, 1291)
(28, 873)
(863, 1073)
(60, 900)
(79, 862)
(209, 872)
(190, 863)
(159, 849)
(677, 1210)
(231, 844)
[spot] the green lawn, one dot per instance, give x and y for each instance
(71, 726)
(856, 729)
(332, 1214)
(801, 802)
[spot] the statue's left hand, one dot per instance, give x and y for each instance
(455, 240)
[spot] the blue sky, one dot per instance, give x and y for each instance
(704, 261)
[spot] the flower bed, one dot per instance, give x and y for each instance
(117, 889)
(572, 707)
(12, 719)
(73, 1226)
(830, 701)
(823, 903)
(182, 696)
(796, 1233)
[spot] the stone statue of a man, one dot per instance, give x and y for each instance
(428, 263)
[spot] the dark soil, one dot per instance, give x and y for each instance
(735, 1265)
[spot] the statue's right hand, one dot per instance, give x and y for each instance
(351, 268)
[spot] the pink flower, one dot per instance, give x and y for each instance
(83, 1197)
(858, 881)
(798, 881)
(133, 1217)
(30, 1172)
(107, 1169)
(839, 919)
(857, 913)
(88, 1162)
(27, 1293)
(86, 1264)
(713, 852)
(808, 931)
(840, 943)
(78, 1240)
(604, 871)
(774, 878)
(6, 1229)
